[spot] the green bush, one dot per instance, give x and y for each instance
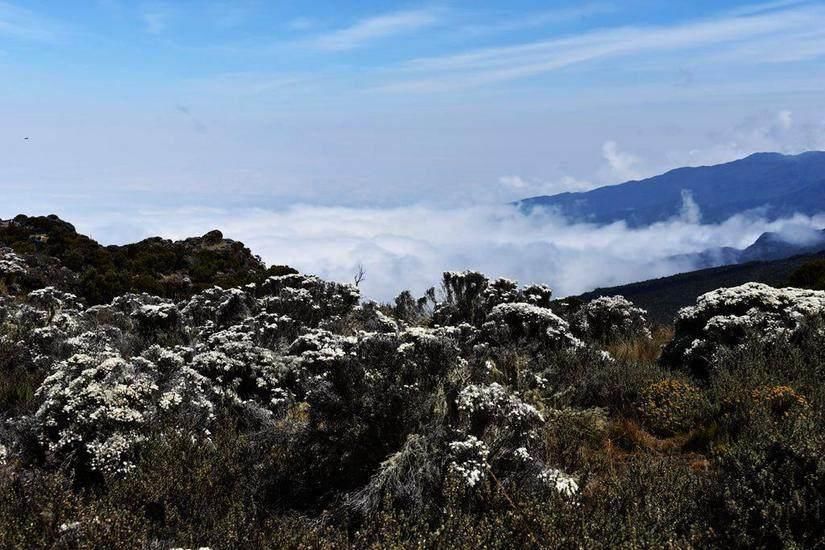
(671, 406)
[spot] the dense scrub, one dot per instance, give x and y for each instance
(289, 413)
(59, 256)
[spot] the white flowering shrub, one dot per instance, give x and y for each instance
(321, 347)
(308, 299)
(237, 411)
(521, 322)
(500, 291)
(162, 316)
(186, 392)
(243, 374)
(104, 340)
(369, 317)
(566, 485)
(608, 319)
(464, 301)
(95, 410)
(53, 301)
(470, 297)
(11, 264)
(217, 307)
(728, 316)
(469, 460)
(506, 428)
(414, 311)
(537, 295)
(482, 405)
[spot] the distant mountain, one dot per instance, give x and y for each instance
(778, 185)
(769, 246)
(663, 297)
(775, 246)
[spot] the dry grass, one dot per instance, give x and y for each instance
(629, 435)
(642, 350)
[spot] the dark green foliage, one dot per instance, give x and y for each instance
(772, 486)
(809, 275)
(174, 270)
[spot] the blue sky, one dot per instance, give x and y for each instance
(372, 103)
(138, 113)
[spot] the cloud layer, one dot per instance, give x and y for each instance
(409, 247)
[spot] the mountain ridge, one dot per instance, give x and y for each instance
(771, 184)
(770, 245)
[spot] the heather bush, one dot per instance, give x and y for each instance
(286, 412)
(671, 406)
(772, 484)
(726, 317)
(609, 319)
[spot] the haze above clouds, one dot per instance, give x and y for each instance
(325, 135)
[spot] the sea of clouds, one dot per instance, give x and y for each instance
(408, 247)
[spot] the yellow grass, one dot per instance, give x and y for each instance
(642, 350)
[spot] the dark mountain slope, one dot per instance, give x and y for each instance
(664, 297)
(778, 185)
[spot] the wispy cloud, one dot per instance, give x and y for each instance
(753, 9)
(20, 23)
(519, 187)
(622, 166)
(374, 28)
(733, 32)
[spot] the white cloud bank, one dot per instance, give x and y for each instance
(409, 247)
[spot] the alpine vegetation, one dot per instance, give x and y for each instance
(285, 411)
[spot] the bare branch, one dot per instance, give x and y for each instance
(360, 274)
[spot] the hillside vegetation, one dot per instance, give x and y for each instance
(58, 255)
(280, 410)
(665, 296)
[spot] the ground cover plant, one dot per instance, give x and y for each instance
(287, 411)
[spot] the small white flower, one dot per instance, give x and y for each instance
(565, 484)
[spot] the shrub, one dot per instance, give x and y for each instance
(525, 323)
(95, 411)
(728, 316)
(809, 275)
(772, 486)
(781, 401)
(285, 413)
(671, 406)
(608, 319)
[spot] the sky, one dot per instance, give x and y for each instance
(372, 117)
